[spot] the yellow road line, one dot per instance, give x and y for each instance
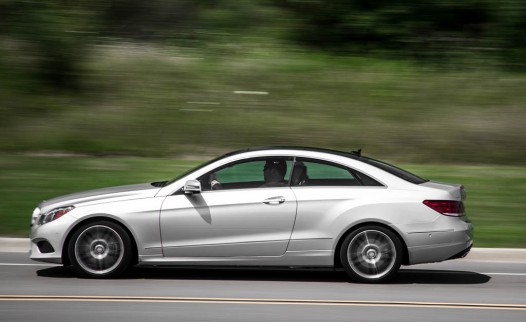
(157, 299)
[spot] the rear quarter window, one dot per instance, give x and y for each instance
(400, 173)
(323, 173)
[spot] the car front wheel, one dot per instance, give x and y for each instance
(100, 249)
(371, 254)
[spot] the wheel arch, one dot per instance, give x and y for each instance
(100, 217)
(337, 260)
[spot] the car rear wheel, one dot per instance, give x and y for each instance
(100, 249)
(371, 254)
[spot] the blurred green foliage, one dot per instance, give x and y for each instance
(430, 80)
(152, 101)
(495, 200)
(436, 31)
(420, 29)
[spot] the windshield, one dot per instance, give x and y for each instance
(192, 170)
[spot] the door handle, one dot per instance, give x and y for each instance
(274, 201)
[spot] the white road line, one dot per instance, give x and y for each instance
(506, 274)
(253, 301)
(28, 264)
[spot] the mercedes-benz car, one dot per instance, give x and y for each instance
(280, 206)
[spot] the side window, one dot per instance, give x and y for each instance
(308, 172)
(252, 173)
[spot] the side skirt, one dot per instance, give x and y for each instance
(318, 258)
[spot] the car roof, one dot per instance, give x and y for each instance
(353, 155)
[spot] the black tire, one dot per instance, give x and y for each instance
(371, 254)
(100, 249)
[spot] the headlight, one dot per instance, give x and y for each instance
(54, 214)
(35, 215)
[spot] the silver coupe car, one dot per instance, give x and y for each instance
(280, 206)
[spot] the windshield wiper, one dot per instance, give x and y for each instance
(159, 183)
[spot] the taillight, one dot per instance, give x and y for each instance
(446, 207)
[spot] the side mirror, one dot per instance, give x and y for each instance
(192, 186)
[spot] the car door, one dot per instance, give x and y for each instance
(324, 191)
(245, 216)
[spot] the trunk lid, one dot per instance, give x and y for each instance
(456, 191)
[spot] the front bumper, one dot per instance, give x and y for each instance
(47, 241)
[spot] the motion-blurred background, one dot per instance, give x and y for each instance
(412, 82)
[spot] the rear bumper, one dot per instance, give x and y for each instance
(438, 246)
(461, 254)
(438, 253)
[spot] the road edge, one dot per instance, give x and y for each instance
(14, 245)
(22, 245)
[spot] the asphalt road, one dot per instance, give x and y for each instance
(460, 290)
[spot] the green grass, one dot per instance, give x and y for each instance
(160, 101)
(495, 203)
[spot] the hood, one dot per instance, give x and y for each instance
(135, 191)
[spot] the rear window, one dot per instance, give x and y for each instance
(400, 173)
